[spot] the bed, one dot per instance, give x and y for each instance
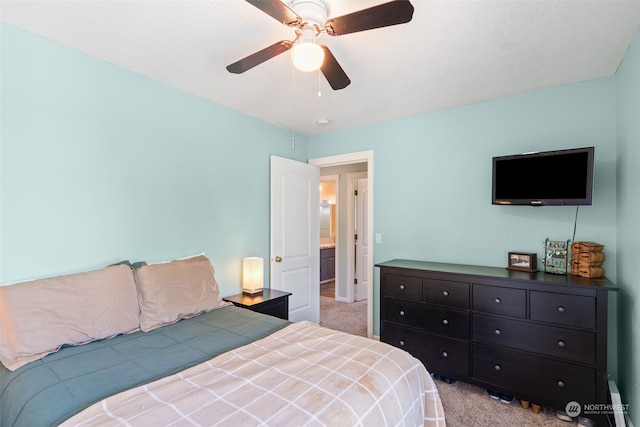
(209, 364)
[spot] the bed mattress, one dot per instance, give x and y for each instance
(48, 391)
(301, 375)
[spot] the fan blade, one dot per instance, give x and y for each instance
(278, 10)
(383, 15)
(332, 71)
(259, 57)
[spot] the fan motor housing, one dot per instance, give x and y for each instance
(311, 11)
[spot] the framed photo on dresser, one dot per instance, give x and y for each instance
(522, 261)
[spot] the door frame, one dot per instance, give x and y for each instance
(346, 159)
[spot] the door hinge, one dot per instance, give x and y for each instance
(355, 192)
(355, 237)
(355, 281)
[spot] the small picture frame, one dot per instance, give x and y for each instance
(522, 261)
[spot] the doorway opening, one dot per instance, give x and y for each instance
(353, 229)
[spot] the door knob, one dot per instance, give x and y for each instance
(278, 259)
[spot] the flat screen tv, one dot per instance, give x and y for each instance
(548, 178)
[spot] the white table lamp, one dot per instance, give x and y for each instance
(252, 275)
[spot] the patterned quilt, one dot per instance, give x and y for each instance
(301, 375)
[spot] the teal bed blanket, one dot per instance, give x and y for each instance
(50, 390)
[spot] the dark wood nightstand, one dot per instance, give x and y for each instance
(271, 302)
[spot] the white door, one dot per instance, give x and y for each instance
(362, 242)
(295, 236)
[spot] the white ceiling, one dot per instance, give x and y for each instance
(452, 53)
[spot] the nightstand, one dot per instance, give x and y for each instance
(271, 302)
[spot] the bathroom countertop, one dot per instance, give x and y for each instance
(327, 245)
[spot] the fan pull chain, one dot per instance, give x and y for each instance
(319, 82)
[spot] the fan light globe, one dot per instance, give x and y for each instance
(307, 56)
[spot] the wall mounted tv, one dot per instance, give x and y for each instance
(548, 178)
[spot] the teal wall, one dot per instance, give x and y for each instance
(100, 164)
(432, 176)
(628, 176)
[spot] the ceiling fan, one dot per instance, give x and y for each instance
(308, 19)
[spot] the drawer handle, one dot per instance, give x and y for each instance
(497, 300)
(497, 332)
(401, 343)
(561, 309)
(402, 287)
(445, 354)
(445, 293)
(561, 343)
(445, 322)
(401, 312)
(497, 368)
(560, 383)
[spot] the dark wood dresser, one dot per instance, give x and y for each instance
(535, 336)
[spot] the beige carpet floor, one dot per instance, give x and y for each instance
(342, 316)
(467, 405)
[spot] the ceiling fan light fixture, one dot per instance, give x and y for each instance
(313, 12)
(307, 55)
(308, 20)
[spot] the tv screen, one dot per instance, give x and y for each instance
(549, 178)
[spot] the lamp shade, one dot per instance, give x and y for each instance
(252, 275)
(307, 56)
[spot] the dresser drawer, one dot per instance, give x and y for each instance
(571, 310)
(571, 345)
(530, 375)
(445, 356)
(445, 292)
(408, 288)
(499, 300)
(404, 312)
(452, 323)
